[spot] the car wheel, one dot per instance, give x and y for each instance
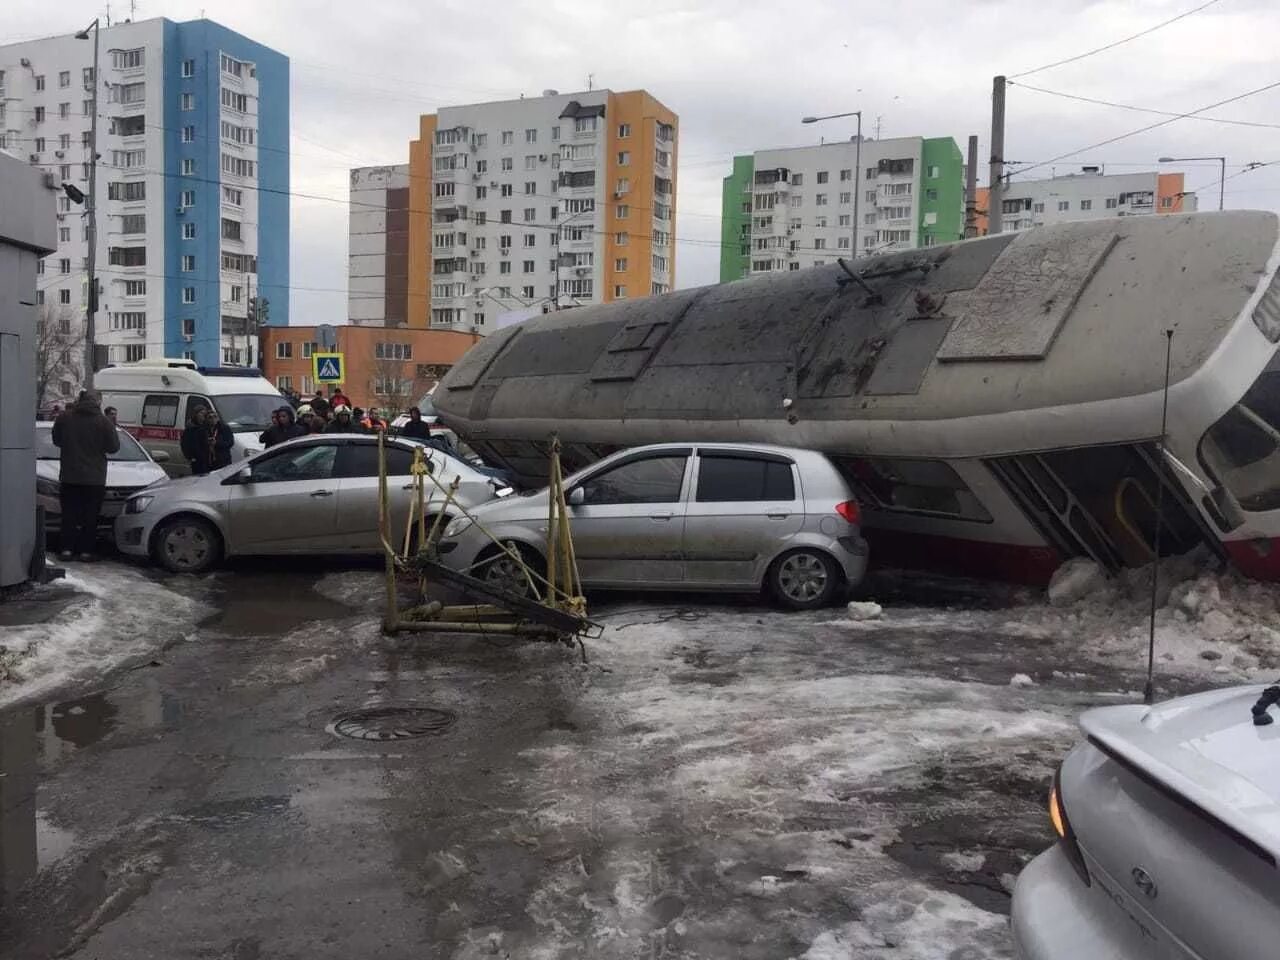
(804, 579)
(502, 570)
(187, 545)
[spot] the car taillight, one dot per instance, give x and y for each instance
(850, 511)
(1062, 827)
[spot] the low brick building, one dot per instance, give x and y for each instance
(386, 367)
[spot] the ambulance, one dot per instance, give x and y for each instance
(156, 399)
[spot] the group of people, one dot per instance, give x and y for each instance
(207, 441)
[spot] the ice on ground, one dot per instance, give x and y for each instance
(864, 610)
(123, 615)
(362, 589)
(1021, 680)
(1074, 580)
(965, 861)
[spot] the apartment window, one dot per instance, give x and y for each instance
(240, 167)
(624, 186)
(230, 229)
(64, 265)
(188, 167)
(530, 214)
(620, 239)
(504, 216)
(188, 198)
(129, 321)
(822, 176)
(188, 294)
(40, 82)
(188, 68)
(283, 382)
(1166, 203)
(188, 262)
(797, 202)
(186, 101)
(504, 266)
(482, 193)
(531, 161)
(64, 205)
(530, 240)
(40, 268)
(820, 222)
(308, 348)
(846, 196)
(870, 196)
(846, 175)
(127, 59)
(64, 111)
(530, 136)
(64, 171)
(479, 219)
(620, 264)
(188, 134)
(1064, 205)
(39, 114)
(284, 350)
(797, 179)
(620, 291)
(530, 188)
(584, 125)
(527, 293)
(527, 266)
(820, 199)
(235, 101)
(188, 231)
(133, 223)
(819, 244)
(844, 220)
(1088, 204)
(86, 109)
(624, 130)
(508, 137)
(624, 158)
(233, 196)
(134, 352)
(232, 66)
(622, 211)
(934, 172)
(505, 190)
(40, 144)
(40, 298)
(1111, 203)
(135, 288)
(480, 140)
(843, 243)
(64, 297)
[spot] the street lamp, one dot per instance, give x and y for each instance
(1222, 179)
(857, 173)
(91, 208)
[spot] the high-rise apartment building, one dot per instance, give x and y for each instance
(192, 181)
(555, 200)
(804, 206)
(1090, 194)
(378, 247)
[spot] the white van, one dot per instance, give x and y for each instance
(155, 399)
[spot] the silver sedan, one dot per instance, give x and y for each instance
(313, 495)
(705, 516)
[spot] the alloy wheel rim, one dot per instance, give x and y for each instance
(802, 577)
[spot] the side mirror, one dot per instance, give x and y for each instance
(577, 497)
(159, 456)
(244, 475)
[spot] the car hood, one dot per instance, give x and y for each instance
(1206, 748)
(120, 473)
(513, 507)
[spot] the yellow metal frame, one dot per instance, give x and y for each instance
(560, 589)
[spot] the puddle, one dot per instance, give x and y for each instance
(270, 604)
(77, 722)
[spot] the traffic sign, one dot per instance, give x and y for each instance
(327, 367)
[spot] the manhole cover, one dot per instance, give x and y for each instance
(391, 723)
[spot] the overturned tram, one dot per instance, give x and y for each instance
(996, 404)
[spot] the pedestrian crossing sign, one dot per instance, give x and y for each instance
(327, 367)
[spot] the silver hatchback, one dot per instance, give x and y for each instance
(316, 494)
(704, 516)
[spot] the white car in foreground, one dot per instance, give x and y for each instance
(1168, 820)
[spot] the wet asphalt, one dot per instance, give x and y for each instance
(230, 798)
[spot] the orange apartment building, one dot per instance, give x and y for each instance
(561, 199)
(386, 367)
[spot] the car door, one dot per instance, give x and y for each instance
(289, 503)
(745, 506)
(357, 521)
(629, 526)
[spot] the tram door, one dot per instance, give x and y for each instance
(1100, 502)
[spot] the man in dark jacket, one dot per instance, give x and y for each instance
(282, 428)
(221, 439)
(416, 428)
(342, 422)
(85, 438)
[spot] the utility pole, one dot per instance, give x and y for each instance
(995, 189)
(91, 208)
(971, 190)
(857, 184)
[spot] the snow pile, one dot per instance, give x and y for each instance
(122, 616)
(1021, 680)
(864, 610)
(1074, 580)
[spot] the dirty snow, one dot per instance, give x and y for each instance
(120, 616)
(864, 610)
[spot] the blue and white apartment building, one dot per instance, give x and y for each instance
(192, 182)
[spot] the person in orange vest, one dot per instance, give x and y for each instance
(374, 422)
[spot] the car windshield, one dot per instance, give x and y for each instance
(129, 450)
(247, 411)
(1242, 450)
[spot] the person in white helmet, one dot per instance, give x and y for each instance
(342, 421)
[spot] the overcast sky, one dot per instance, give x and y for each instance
(740, 74)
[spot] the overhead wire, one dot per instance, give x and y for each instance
(1116, 43)
(1127, 106)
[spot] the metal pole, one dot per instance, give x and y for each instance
(90, 315)
(1149, 691)
(971, 190)
(857, 186)
(1222, 181)
(995, 189)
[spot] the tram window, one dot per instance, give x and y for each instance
(1242, 450)
(912, 486)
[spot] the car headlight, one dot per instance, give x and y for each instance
(47, 488)
(457, 527)
(137, 504)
